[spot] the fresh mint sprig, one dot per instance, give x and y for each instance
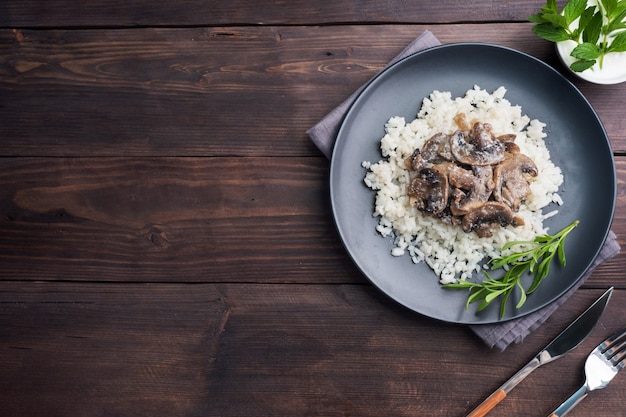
(598, 29)
(536, 260)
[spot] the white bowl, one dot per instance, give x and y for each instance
(613, 69)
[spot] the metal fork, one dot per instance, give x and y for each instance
(601, 366)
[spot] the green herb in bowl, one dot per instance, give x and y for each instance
(590, 37)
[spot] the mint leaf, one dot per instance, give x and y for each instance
(621, 5)
(573, 9)
(619, 43)
(537, 18)
(550, 7)
(580, 66)
(609, 6)
(593, 30)
(550, 32)
(586, 51)
(585, 18)
(557, 19)
(618, 22)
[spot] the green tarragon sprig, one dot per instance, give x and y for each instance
(597, 29)
(536, 260)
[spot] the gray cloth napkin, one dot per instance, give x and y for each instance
(499, 335)
(324, 133)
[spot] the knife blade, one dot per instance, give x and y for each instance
(566, 341)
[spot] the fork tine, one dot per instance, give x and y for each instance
(611, 340)
(617, 354)
(614, 349)
(602, 364)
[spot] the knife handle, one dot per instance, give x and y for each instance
(488, 404)
(500, 393)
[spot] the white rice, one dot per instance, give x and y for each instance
(447, 249)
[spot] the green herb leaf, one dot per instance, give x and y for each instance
(561, 253)
(580, 66)
(609, 7)
(586, 51)
(619, 43)
(593, 29)
(535, 260)
(550, 7)
(600, 24)
(557, 19)
(537, 18)
(573, 10)
(618, 22)
(584, 20)
(523, 296)
(550, 32)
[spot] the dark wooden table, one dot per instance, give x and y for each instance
(166, 240)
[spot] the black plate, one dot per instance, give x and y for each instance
(576, 138)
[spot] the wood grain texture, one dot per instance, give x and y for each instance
(199, 91)
(68, 13)
(258, 350)
(183, 220)
(167, 246)
(168, 219)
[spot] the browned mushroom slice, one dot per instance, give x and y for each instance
(511, 147)
(415, 161)
(472, 188)
(480, 135)
(507, 138)
(436, 150)
(461, 121)
(479, 152)
(429, 190)
(483, 219)
(511, 180)
(445, 152)
(430, 150)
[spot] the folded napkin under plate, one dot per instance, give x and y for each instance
(498, 335)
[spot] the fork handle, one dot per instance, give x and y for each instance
(571, 402)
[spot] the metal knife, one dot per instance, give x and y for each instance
(567, 340)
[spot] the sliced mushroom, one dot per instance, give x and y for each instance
(509, 142)
(430, 150)
(461, 121)
(511, 180)
(429, 190)
(445, 152)
(414, 162)
(435, 150)
(507, 138)
(479, 152)
(480, 135)
(511, 147)
(472, 188)
(483, 219)
(471, 177)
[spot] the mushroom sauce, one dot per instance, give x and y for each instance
(463, 178)
(471, 178)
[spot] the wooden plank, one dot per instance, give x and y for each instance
(280, 350)
(182, 220)
(198, 91)
(68, 13)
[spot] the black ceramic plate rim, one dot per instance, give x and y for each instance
(453, 302)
